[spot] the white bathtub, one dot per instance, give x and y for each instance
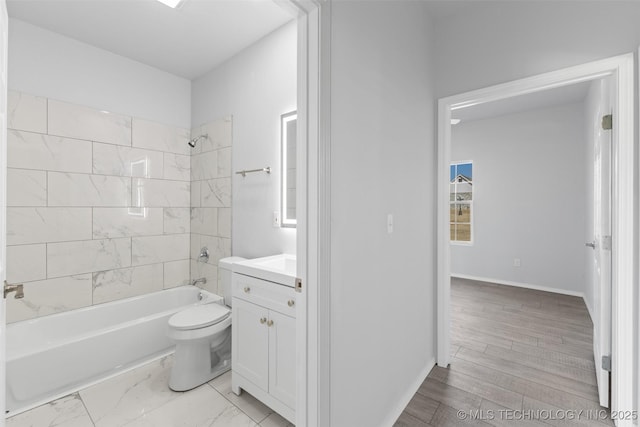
(52, 356)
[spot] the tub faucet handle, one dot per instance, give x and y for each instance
(18, 289)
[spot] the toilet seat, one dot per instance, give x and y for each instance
(200, 316)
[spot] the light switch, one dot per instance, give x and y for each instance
(516, 262)
(276, 219)
(390, 223)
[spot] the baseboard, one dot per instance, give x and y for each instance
(589, 309)
(520, 285)
(406, 398)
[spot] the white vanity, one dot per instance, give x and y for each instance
(264, 331)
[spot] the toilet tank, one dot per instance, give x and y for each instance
(225, 269)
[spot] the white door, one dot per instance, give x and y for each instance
(602, 238)
(282, 358)
(250, 342)
(4, 36)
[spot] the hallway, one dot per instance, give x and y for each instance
(519, 357)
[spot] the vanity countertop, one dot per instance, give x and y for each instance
(277, 268)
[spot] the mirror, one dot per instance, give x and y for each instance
(288, 131)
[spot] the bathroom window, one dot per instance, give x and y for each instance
(461, 202)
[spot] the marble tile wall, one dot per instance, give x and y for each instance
(99, 206)
(211, 199)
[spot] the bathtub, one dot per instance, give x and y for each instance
(52, 356)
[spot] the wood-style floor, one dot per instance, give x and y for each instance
(519, 357)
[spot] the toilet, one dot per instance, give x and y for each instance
(203, 337)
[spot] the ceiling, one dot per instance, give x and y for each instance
(188, 41)
(571, 94)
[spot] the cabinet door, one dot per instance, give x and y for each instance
(250, 337)
(282, 358)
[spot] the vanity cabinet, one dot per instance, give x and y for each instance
(264, 342)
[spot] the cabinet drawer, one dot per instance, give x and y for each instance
(271, 295)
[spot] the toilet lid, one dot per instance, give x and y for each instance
(199, 316)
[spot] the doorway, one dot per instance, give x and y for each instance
(621, 70)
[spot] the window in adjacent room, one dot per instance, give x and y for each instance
(461, 202)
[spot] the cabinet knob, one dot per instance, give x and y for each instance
(270, 322)
(290, 303)
(247, 289)
(263, 320)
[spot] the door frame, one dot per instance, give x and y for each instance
(4, 47)
(623, 207)
(313, 315)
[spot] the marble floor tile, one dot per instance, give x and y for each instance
(68, 411)
(248, 404)
(122, 399)
(200, 407)
(275, 420)
(142, 398)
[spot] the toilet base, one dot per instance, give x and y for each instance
(197, 363)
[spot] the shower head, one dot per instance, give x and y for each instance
(192, 143)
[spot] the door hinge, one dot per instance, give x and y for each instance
(607, 122)
(298, 287)
(606, 243)
(606, 363)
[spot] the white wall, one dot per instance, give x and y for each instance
(495, 42)
(48, 64)
(382, 161)
(529, 198)
(255, 87)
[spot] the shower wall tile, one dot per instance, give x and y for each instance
(75, 121)
(219, 247)
(224, 222)
(69, 258)
(155, 249)
(195, 193)
(224, 162)
(26, 112)
(161, 193)
(95, 198)
(177, 220)
(50, 296)
(26, 187)
(26, 263)
(216, 193)
(109, 159)
(195, 132)
(177, 167)
(125, 222)
(209, 272)
(156, 136)
(29, 150)
(204, 166)
(42, 225)
(219, 134)
(204, 221)
(112, 285)
(68, 189)
(176, 273)
(211, 171)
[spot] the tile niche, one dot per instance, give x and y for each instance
(99, 206)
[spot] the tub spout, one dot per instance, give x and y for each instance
(18, 289)
(201, 280)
